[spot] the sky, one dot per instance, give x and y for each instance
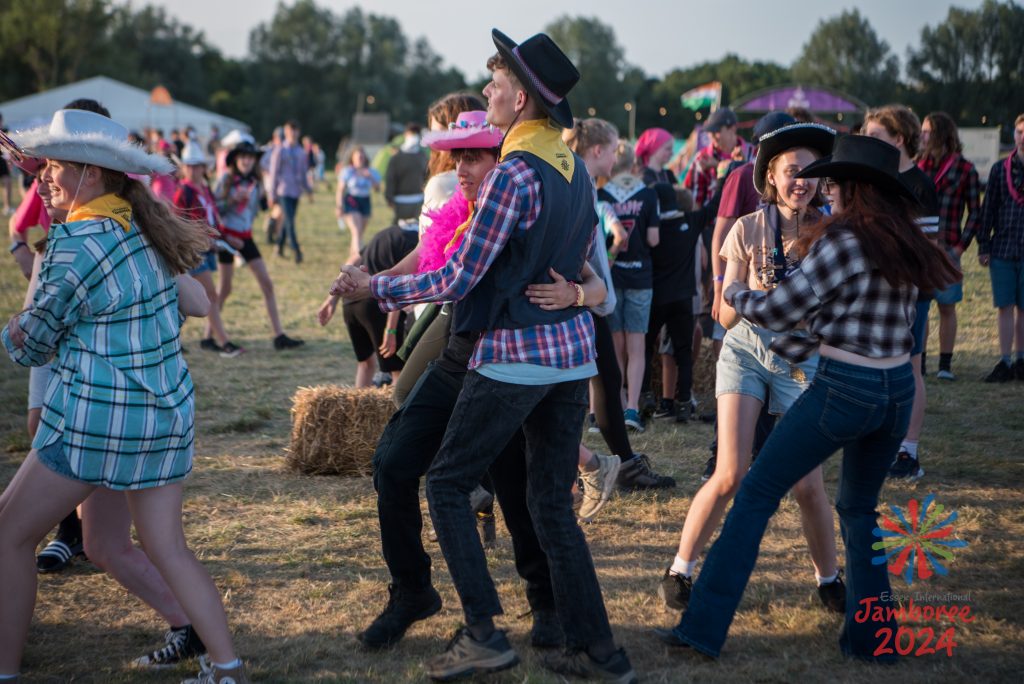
(656, 35)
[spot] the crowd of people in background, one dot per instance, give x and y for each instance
(540, 275)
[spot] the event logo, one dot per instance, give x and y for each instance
(915, 547)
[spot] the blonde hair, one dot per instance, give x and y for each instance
(625, 159)
(179, 241)
(587, 134)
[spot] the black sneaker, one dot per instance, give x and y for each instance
(404, 608)
(666, 409)
(709, 469)
(546, 631)
(230, 350)
(57, 555)
(1018, 369)
(647, 405)
(684, 410)
(282, 341)
(488, 532)
(465, 656)
(209, 344)
(905, 467)
(577, 662)
(182, 644)
(1003, 372)
(592, 424)
(833, 594)
(636, 473)
(675, 590)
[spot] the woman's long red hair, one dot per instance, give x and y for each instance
(890, 237)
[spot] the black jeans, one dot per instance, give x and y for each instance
(677, 317)
(404, 453)
(487, 415)
(606, 388)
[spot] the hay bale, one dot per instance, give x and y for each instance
(703, 372)
(335, 429)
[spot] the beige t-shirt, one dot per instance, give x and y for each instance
(752, 241)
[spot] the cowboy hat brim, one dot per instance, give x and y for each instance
(812, 136)
(857, 171)
(560, 113)
(93, 149)
(467, 138)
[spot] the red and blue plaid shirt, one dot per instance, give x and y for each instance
(958, 189)
(508, 200)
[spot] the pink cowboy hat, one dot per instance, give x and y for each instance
(470, 130)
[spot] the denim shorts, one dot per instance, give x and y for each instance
(1007, 283)
(53, 457)
(919, 331)
(632, 311)
(748, 366)
(352, 204)
(955, 292)
(208, 264)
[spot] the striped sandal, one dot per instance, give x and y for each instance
(57, 555)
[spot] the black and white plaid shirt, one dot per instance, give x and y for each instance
(843, 299)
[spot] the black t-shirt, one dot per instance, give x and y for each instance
(651, 176)
(928, 217)
(673, 258)
(636, 206)
(388, 247)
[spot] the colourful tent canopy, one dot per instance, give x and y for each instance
(817, 99)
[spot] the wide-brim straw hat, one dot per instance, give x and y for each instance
(76, 135)
(544, 70)
(469, 131)
(865, 159)
(813, 136)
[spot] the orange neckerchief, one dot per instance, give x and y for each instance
(542, 139)
(456, 240)
(105, 206)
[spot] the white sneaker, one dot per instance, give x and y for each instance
(598, 485)
(945, 375)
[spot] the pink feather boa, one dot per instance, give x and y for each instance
(445, 221)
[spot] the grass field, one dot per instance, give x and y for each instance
(298, 558)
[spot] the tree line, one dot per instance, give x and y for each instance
(319, 66)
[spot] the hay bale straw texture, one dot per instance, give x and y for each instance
(703, 372)
(335, 429)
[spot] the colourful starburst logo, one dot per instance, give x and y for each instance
(915, 547)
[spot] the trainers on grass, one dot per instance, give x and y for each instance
(709, 469)
(636, 473)
(465, 656)
(211, 674)
(403, 609)
(833, 594)
(905, 467)
(578, 663)
(633, 420)
(945, 374)
(1003, 372)
(58, 554)
(675, 590)
(182, 643)
(230, 350)
(598, 485)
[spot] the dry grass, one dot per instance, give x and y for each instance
(298, 558)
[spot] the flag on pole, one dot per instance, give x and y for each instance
(706, 95)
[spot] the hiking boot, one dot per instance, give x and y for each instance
(182, 643)
(632, 419)
(592, 424)
(636, 473)
(488, 532)
(578, 663)
(833, 594)
(404, 608)
(675, 590)
(209, 344)
(57, 555)
(666, 409)
(1018, 369)
(598, 485)
(480, 499)
(282, 341)
(546, 631)
(465, 656)
(709, 469)
(230, 350)
(211, 674)
(905, 467)
(1003, 372)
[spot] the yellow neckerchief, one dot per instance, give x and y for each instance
(105, 206)
(542, 139)
(461, 229)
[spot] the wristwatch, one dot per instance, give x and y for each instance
(16, 245)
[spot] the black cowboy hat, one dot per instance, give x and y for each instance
(860, 158)
(244, 147)
(544, 70)
(813, 136)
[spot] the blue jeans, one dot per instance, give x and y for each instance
(289, 206)
(861, 410)
(486, 416)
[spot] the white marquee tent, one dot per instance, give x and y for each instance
(133, 107)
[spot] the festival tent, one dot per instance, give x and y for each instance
(133, 107)
(817, 99)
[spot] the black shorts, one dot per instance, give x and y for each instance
(248, 250)
(366, 324)
(4, 169)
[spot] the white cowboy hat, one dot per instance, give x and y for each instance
(193, 155)
(236, 137)
(85, 137)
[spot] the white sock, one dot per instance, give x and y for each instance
(237, 662)
(910, 447)
(681, 566)
(822, 581)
